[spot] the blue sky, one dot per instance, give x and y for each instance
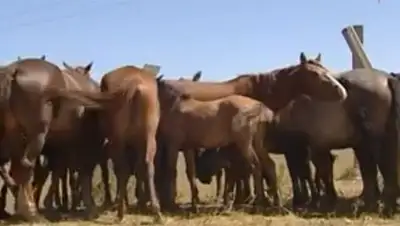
(220, 37)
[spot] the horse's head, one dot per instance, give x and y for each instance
(78, 70)
(208, 163)
(168, 94)
(315, 80)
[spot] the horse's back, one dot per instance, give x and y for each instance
(136, 110)
(373, 82)
(126, 76)
(368, 92)
(40, 72)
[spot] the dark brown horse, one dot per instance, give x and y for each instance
(364, 122)
(32, 90)
(77, 148)
(131, 121)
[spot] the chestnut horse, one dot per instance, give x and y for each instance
(235, 120)
(32, 91)
(131, 121)
(77, 148)
(276, 88)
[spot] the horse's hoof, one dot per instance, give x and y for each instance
(4, 215)
(226, 210)
(195, 209)
(158, 219)
(91, 215)
(25, 162)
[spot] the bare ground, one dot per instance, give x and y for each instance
(346, 185)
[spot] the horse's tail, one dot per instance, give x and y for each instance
(79, 97)
(393, 129)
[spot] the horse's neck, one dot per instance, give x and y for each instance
(269, 88)
(206, 90)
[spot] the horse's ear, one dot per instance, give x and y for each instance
(160, 77)
(303, 58)
(197, 76)
(43, 57)
(15, 72)
(334, 157)
(318, 58)
(88, 67)
(67, 66)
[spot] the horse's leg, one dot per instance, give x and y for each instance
(323, 161)
(36, 129)
(298, 197)
(190, 174)
(230, 181)
(65, 195)
(219, 184)
(307, 175)
(105, 177)
(390, 171)
(75, 189)
(369, 172)
(171, 174)
(3, 202)
(40, 177)
(54, 191)
(151, 149)
(121, 169)
(239, 196)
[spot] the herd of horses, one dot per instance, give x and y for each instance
(61, 121)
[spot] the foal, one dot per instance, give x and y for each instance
(234, 120)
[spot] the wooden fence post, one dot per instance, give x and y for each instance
(354, 36)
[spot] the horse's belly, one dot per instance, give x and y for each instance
(331, 127)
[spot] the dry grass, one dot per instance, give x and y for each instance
(346, 185)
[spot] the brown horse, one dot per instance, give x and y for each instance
(199, 152)
(65, 148)
(131, 120)
(31, 90)
(364, 122)
(235, 120)
(276, 88)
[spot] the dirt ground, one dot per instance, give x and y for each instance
(346, 185)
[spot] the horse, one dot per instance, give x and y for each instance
(235, 120)
(32, 90)
(364, 122)
(131, 120)
(199, 153)
(77, 148)
(276, 88)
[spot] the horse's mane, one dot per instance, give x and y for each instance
(273, 73)
(171, 90)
